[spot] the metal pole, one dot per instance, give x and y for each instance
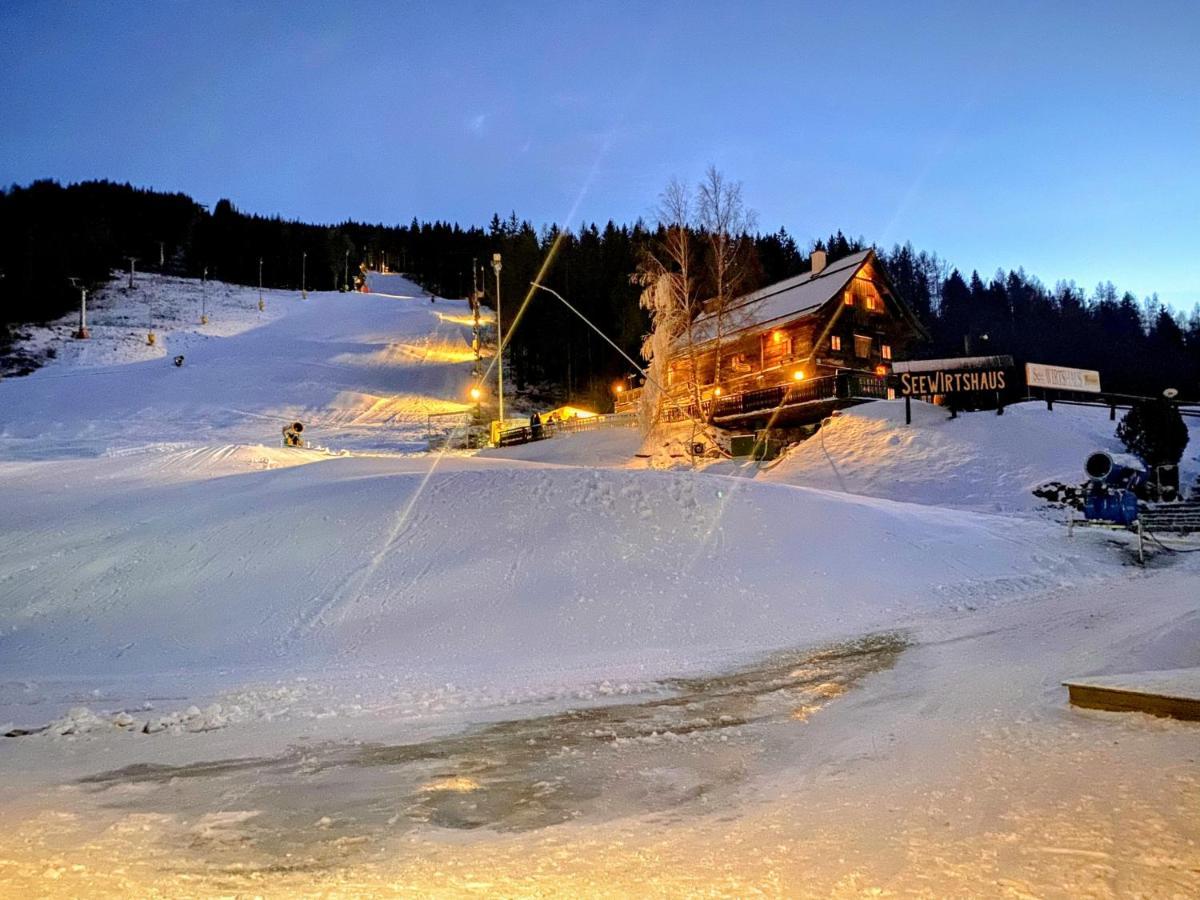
(496, 265)
(261, 304)
(132, 260)
(204, 297)
(346, 273)
(303, 276)
(82, 333)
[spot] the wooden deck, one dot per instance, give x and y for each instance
(1173, 692)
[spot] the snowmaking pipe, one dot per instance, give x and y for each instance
(1115, 469)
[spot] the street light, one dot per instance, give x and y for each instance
(204, 297)
(303, 278)
(496, 265)
(261, 303)
(346, 273)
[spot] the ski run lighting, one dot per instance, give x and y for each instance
(798, 375)
(476, 394)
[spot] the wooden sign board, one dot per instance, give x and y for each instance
(1062, 378)
(957, 381)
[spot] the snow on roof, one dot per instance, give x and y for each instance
(784, 299)
(1003, 361)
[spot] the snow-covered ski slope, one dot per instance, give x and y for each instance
(360, 371)
(153, 529)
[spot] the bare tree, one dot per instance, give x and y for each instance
(726, 225)
(667, 274)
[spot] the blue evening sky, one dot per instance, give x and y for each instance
(1061, 136)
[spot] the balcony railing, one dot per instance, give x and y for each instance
(845, 386)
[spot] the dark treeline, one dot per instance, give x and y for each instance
(49, 233)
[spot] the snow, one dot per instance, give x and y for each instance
(548, 669)
(606, 446)
(359, 375)
(977, 461)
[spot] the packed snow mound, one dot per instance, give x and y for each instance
(977, 461)
(361, 371)
(473, 568)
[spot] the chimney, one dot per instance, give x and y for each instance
(818, 261)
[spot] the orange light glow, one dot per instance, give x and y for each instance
(777, 337)
(716, 392)
(798, 375)
(476, 393)
(618, 388)
(881, 370)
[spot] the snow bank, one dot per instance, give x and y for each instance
(977, 461)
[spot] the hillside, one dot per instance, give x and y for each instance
(359, 373)
(977, 461)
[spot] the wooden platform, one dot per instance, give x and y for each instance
(1171, 692)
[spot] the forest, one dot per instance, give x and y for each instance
(51, 233)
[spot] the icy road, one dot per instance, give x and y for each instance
(230, 668)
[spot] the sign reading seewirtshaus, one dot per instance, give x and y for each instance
(941, 381)
(1062, 378)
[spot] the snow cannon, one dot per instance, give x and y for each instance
(292, 435)
(1112, 479)
(1115, 470)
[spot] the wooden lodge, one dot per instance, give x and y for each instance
(790, 352)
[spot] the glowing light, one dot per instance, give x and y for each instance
(881, 370)
(798, 375)
(457, 318)
(716, 392)
(777, 337)
(476, 393)
(619, 388)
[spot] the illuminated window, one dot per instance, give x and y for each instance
(849, 301)
(835, 342)
(886, 351)
(870, 303)
(862, 346)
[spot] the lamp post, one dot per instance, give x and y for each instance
(204, 297)
(261, 303)
(303, 274)
(496, 265)
(346, 273)
(132, 260)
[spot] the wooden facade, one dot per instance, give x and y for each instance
(856, 324)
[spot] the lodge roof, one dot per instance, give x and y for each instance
(795, 297)
(785, 299)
